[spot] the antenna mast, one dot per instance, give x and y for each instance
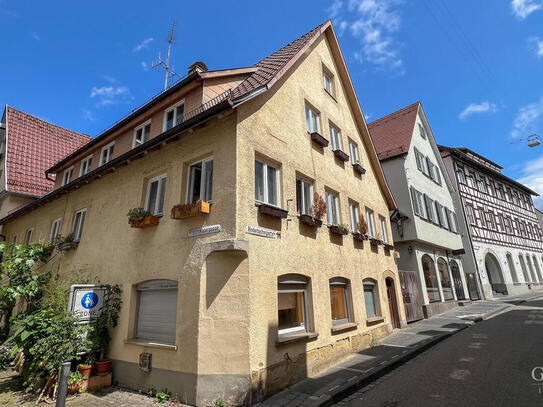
(166, 65)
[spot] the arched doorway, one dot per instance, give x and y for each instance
(457, 279)
(494, 273)
(512, 269)
(392, 303)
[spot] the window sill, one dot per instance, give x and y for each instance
(375, 320)
(271, 210)
(150, 344)
(295, 337)
(344, 327)
(329, 94)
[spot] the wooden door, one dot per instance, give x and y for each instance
(411, 295)
(392, 303)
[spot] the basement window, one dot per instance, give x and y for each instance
(200, 184)
(156, 311)
(156, 189)
(142, 134)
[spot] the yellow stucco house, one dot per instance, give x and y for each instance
(255, 295)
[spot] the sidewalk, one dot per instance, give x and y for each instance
(402, 345)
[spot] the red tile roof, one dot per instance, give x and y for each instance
(273, 66)
(33, 146)
(391, 135)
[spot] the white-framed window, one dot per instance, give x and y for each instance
(142, 134)
(371, 298)
(422, 131)
(174, 115)
(339, 301)
(418, 203)
(332, 208)
(384, 234)
(312, 120)
(482, 219)
(335, 138)
(156, 189)
(328, 83)
(200, 182)
(370, 220)
(267, 185)
(460, 174)
(55, 229)
(304, 196)
(156, 312)
(354, 214)
(353, 150)
(79, 222)
(67, 176)
(470, 179)
(28, 236)
(85, 166)
(106, 155)
(292, 315)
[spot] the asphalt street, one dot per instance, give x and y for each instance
(496, 362)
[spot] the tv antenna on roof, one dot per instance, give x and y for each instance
(166, 65)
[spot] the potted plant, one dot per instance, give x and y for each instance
(141, 218)
(74, 382)
(65, 242)
(86, 368)
(362, 232)
(358, 167)
(316, 212)
(339, 229)
(189, 210)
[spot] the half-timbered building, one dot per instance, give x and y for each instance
(504, 232)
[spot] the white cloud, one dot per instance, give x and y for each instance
(536, 45)
(372, 23)
(528, 120)
(532, 177)
(144, 66)
(523, 8)
(142, 45)
(110, 95)
(88, 115)
(473, 108)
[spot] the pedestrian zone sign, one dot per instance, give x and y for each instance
(87, 301)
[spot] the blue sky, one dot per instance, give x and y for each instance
(476, 65)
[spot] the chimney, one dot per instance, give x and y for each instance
(198, 66)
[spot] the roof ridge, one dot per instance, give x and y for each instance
(47, 122)
(394, 113)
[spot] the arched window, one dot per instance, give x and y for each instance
(430, 278)
(445, 278)
(292, 304)
(339, 299)
(537, 269)
(512, 270)
(156, 311)
(523, 268)
(371, 298)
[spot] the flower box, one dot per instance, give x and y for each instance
(144, 222)
(358, 168)
(375, 241)
(320, 140)
(359, 236)
(310, 221)
(338, 230)
(67, 246)
(190, 210)
(273, 211)
(341, 155)
(389, 246)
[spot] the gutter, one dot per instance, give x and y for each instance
(124, 159)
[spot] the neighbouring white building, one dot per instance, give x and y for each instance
(504, 231)
(426, 233)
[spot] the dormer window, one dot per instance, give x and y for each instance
(174, 116)
(142, 134)
(106, 155)
(85, 167)
(67, 176)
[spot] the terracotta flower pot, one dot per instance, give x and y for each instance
(74, 388)
(103, 366)
(85, 370)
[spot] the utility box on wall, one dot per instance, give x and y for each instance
(145, 362)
